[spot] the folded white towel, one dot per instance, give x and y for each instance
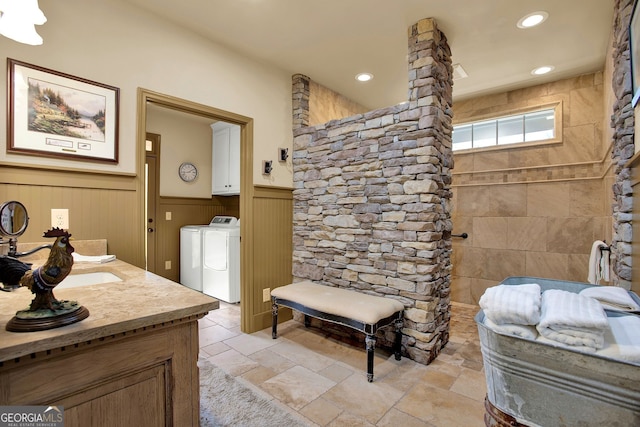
(554, 343)
(101, 259)
(522, 331)
(512, 304)
(612, 297)
(622, 340)
(572, 319)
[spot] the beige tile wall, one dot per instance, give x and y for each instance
(532, 211)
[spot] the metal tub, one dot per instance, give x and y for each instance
(542, 385)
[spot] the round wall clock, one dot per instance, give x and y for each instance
(188, 171)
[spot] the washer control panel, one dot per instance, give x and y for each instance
(224, 220)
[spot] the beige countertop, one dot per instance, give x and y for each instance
(140, 300)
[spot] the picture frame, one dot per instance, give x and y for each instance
(634, 53)
(53, 114)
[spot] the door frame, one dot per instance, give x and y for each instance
(145, 97)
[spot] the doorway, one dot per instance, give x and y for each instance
(147, 98)
(152, 150)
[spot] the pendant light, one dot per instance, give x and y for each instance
(18, 19)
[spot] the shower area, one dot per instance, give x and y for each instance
(533, 209)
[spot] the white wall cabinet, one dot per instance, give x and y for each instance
(225, 177)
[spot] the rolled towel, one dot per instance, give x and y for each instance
(572, 319)
(522, 331)
(512, 304)
(612, 297)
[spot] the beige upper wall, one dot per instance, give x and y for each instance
(326, 105)
(184, 138)
(120, 45)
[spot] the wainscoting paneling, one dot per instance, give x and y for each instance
(272, 249)
(100, 207)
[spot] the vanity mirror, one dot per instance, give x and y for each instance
(13, 223)
(13, 219)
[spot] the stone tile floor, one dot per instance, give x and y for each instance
(324, 380)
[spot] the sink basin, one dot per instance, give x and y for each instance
(86, 279)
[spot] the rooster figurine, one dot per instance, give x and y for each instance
(43, 279)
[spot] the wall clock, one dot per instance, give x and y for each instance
(188, 171)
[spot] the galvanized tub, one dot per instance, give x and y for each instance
(542, 385)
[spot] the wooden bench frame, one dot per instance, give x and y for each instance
(368, 329)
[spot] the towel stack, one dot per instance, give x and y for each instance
(573, 320)
(512, 309)
(576, 321)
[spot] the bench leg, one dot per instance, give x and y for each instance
(274, 319)
(370, 342)
(307, 321)
(397, 345)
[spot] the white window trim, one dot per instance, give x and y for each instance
(495, 115)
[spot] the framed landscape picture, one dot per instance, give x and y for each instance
(58, 115)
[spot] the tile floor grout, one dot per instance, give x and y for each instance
(324, 380)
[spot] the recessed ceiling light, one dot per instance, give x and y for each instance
(532, 19)
(364, 77)
(542, 70)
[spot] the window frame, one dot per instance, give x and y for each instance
(505, 113)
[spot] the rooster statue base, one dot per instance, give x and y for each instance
(45, 311)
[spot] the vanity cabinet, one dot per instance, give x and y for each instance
(226, 159)
(132, 362)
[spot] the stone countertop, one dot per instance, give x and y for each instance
(142, 299)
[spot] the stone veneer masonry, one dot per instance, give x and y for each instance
(622, 121)
(372, 197)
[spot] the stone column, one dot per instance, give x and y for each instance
(622, 121)
(371, 199)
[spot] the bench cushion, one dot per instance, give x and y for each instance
(355, 305)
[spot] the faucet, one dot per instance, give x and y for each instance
(13, 248)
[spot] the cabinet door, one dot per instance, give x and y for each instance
(220, 173)
(234, 160)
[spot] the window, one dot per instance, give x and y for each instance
(533, 126)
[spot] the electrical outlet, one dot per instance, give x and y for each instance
(167, 216)
(167, 265)
(266, 295)
(60, 218)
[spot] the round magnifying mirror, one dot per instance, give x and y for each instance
(13, 219)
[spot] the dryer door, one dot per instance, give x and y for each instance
(216, 249)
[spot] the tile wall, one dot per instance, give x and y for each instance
(536, 210)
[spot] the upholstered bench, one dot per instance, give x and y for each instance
(357, 310)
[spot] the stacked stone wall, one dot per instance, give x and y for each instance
(623, 123)
(372, 198)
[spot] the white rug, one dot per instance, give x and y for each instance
(229, 401)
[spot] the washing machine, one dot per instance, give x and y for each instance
(210, 258)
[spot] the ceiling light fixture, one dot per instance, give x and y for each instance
(542, 70)
(18, 19)
(364, 77)
(532, 19)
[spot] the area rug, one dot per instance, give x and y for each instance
(229, 401)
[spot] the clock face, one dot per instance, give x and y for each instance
(188, 172)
